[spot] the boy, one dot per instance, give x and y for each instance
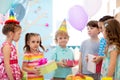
(89, 46)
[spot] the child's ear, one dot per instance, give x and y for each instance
(10, 33)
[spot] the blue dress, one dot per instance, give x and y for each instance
(106, 62)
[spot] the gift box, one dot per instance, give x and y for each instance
(70, 63)
(47, 68)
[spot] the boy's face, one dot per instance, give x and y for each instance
(62, 40)
(93, 31)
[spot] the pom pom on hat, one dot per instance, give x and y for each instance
(63, 26)
(12, 18)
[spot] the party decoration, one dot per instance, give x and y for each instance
(63, 26)
(92, 6)
(77, 17)
(5, 5)
(3, 18)
(19, 10)
(12, 18)
(78, 76)
(46, 24)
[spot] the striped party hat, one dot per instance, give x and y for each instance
(12, 18)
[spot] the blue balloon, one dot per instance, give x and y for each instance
(19, 10)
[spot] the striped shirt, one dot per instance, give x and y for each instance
(32, 60)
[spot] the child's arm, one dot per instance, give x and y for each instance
(80, 63)
(112, 64)
(6, 53)
(33, 70)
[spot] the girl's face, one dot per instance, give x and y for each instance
(103, 31)
(16, 35)
(62, 40)
(93, 31)
(34, 43)
(100, 26)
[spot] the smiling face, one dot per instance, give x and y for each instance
(61, 38)
(34, 43)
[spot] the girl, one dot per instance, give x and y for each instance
(32, 56)
(111, 63)
(9, 68)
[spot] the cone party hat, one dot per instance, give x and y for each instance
(12, 18)
(63, 26)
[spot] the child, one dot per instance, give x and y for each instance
(9, 68)
(102, 40)
(32, 56)
(111, 62)
(89, 46)
(61, 53)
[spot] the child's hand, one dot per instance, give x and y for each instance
(61, 63)
(97, 59)
(36, 71)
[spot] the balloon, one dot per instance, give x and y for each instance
(77, 17)
(92, 6)
(5, 5)
(19, 11)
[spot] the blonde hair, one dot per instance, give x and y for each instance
(59, 32)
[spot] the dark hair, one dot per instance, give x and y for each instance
(112, 29)
(93, 23)
(10, 27)
(104, 18)
(27, 38)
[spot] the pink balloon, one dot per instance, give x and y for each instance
(77, 17)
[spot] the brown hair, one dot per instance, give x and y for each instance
(10, 27)
(93, 23)
(27, 38)
(112, 29)
(59, 32)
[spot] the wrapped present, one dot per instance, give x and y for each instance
(70, 63)
(47, 68)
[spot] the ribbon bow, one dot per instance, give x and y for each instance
(42, 61)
